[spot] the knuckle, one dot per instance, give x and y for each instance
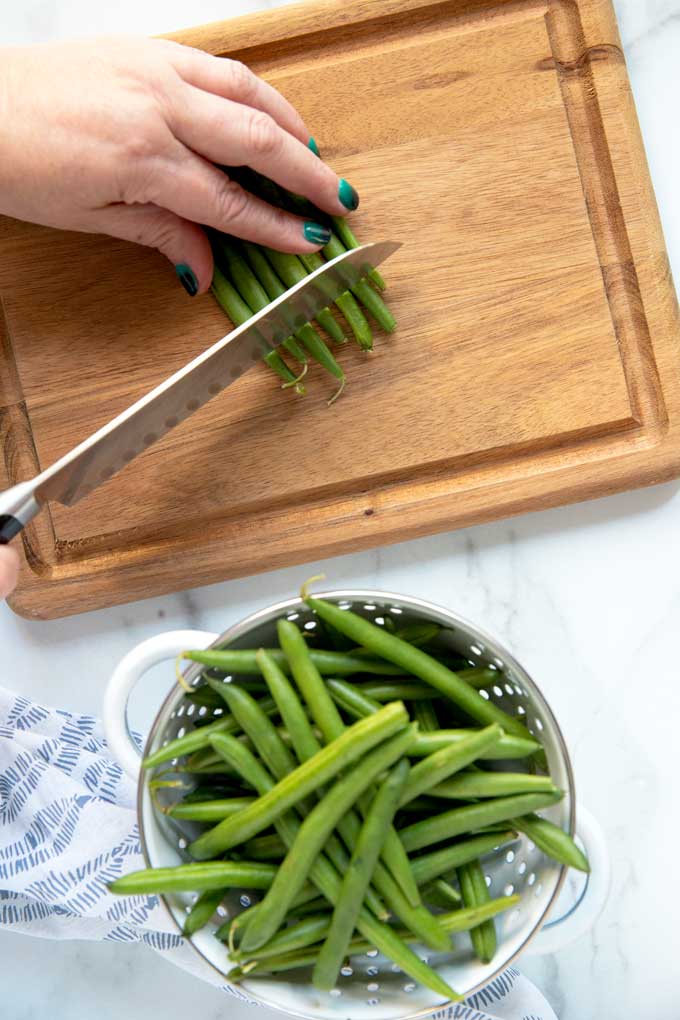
(232, 202)
(243, 79)
(261, 134)
(159, 232)
(139, 145)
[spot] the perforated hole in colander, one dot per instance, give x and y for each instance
(391, 995)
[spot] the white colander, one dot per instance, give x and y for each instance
(371, 987)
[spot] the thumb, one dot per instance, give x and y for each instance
(184, 243)
(9, 570)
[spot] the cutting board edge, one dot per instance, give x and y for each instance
(564, 487)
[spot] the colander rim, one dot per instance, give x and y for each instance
(411, 603)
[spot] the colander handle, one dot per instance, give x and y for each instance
(124, 678)
(579, 918)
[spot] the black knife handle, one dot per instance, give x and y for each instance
(9, 528)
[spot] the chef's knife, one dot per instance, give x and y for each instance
(112, 447)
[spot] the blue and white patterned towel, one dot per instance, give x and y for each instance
(68, 826)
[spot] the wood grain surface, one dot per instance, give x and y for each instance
(537, 359)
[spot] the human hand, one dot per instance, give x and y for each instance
(121, 136)
(9, 570)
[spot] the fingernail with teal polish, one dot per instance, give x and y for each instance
(187, 278)
(311, 144)
(348, 195)
(316, 233)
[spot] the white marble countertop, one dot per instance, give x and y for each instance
(587, 597)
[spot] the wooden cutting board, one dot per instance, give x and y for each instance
(537, 360)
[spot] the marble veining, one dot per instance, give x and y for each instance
(587, 597)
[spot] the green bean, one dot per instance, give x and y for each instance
(281, 763)
(202, 910)
(329, 663)
(351, 699)
(238, 311)
(440, 765)
(293, 715)
(404, 690)
(358, 876)
(248, 286)
(353, 744)
(291, 271)
(491, 784)
(306, 334)
(418, 662)
(472, 816)
(553, 841)
(327, 879)
(306, 746)
(441, 893)
(308, 678)
(456, 921)
(288, 378)
(427, 867)
(345, 302)
(316, 906)
(208, 811)
(356, 319)
(198, 739)
(298, 936)
(307, 895)
(195, 878)
(221, 791)
(314, 831)
(329, 721)
(475, 893)
(190, 742)
(264, 848)
(419, 632)
(369, 298)
(425, 715)
(480, 677)
(203, 758)
(287, 825)
(263, 271)
(246, 710)
(204, 697)
(345, 234)
(507, 747)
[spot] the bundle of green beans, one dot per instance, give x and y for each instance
(247, 277)
(360, 816)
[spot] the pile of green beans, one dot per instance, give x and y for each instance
(363, 819)
(248, 277)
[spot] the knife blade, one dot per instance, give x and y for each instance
(112, 447)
